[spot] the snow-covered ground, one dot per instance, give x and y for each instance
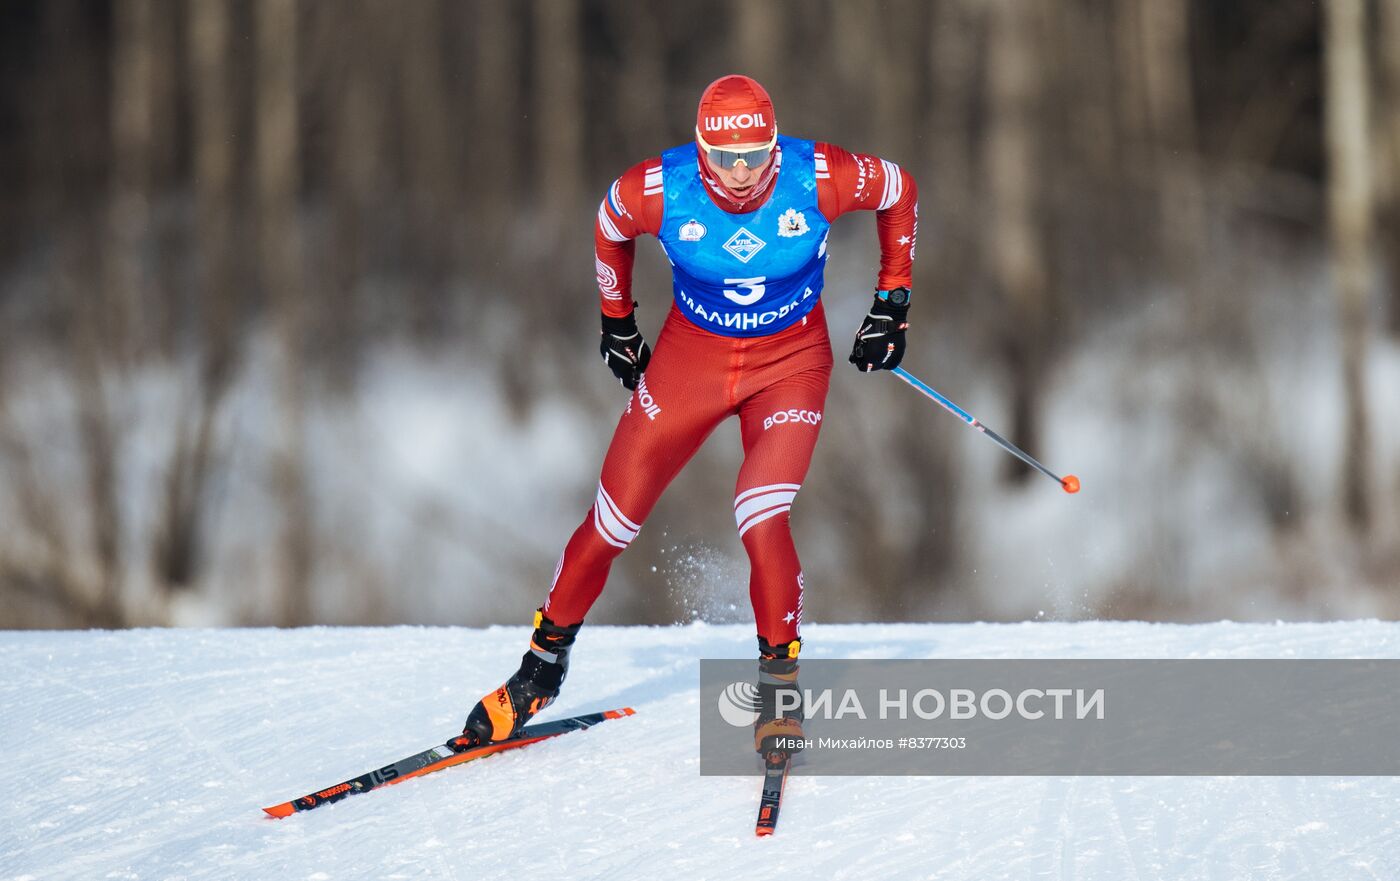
(148, 755)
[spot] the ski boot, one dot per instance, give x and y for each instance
(777, 675)
(502, 713)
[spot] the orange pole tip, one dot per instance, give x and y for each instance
(1070, 483)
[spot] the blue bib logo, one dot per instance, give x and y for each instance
(792, 223)
(692, 231)
(744, 244)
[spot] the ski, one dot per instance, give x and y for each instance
(775, 771)
(437, 758)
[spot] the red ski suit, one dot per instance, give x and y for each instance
(775, 384)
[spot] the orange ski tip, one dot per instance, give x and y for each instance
(763, 832)
(618, 714)
(279, 811)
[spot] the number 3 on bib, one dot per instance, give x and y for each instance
(754, 288)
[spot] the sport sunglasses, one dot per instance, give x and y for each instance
(727, 159)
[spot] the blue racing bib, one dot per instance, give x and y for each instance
(744, 275)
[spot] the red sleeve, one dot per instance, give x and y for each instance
(632, 206)
(860, 182)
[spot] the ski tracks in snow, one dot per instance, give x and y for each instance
(148, 755)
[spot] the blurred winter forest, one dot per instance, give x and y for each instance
(298, 320)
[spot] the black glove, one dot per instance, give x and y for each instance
(624, 350)
(880, 341)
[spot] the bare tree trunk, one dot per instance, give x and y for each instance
(759, 40)
(142, 42)
(1132, 112)
(853, 45)
(562, 212)
(641, 98)
(1084, 159)
(129, 211)
(177, 544)
(558, 112)
(1137, 158)
(107, 322)
(953, 64)
(497, 107)
(355, 87)
(1163, 144)
(99, 442)
(100, 285)
(213, 186)
(1349, 210)
(1013, 236)
(161, 316)
(1171, 129)
(430, 131)
(279, 179)
(213, 129)
(1166, 73)
(1389, 47)
(892, 74)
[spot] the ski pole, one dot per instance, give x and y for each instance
(1069, 482)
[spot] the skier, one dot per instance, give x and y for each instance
(742, 214)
